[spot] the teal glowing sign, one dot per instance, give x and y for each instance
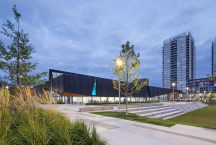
(94, 89)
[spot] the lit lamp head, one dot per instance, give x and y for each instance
(7, 87)
(173, 84)
(119, 62)
(187, 88)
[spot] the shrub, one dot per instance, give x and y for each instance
(60, 102)
(22, 122)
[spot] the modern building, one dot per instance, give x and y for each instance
(214, 58)
(202, 85)
(208, 84)
(75, 87)
(179, 61)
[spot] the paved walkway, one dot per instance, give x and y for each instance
(124, 132)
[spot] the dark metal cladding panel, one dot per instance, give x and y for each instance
(83, 85)
(58, 84)
(78, 84)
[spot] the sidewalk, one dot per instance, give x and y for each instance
(123, 132)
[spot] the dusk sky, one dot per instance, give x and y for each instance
(84, 36)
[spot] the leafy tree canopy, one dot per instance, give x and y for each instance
(16, 55)
(126, 68)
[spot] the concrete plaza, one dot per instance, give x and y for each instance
(124, 132)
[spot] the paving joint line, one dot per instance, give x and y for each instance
(176, 133)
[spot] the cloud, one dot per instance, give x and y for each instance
(85, 36)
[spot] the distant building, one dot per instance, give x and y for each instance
(214, 58)
(179, 56)
(202, 85)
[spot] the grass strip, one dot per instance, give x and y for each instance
(204, 117)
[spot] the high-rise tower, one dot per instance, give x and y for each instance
(214, 58)
(179, 65)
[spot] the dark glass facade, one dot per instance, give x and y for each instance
(179, 55)
(202, 85)
(214, 58)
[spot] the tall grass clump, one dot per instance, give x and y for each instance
(22, 122)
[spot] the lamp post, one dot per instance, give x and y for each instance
(187, 88)
(119, 64)
(51, 88)
(119, 94)
(173, 85)
(200, 96)
(204, 96)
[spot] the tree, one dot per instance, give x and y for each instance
(210, 96)
(126, 68)
(15, 58)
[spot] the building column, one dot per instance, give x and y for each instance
(68, 99)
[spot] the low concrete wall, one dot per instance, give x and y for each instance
(114, 107)
(95, 108)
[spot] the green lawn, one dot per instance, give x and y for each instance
(134, 117)
(205, 117)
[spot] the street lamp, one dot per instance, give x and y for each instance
(204, 95)
(119, 64)
(187, 88)
(173, 85)
(7, 87)
(200, 96)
